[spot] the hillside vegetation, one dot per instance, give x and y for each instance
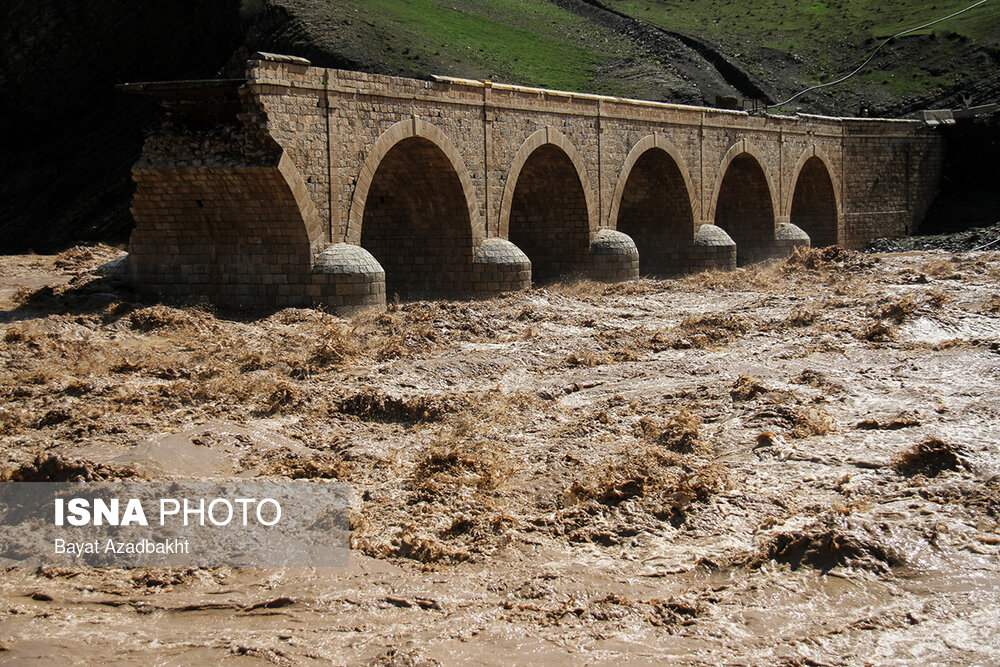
(794, 44)
(670, 49)
(71, 139)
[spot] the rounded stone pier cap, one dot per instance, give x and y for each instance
(612, 242)
(344, 258)
(786, 231)
(500, 251)
(713, 235)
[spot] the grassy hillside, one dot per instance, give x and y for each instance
(577, 45)
(64, 172)
(534, 42)
(513, 39)
(793, 44)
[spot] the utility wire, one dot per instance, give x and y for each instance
(985, 245)
(865, 63)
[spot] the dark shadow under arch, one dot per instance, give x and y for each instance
(548, 215)
(814, 204)
(416, 223)
(655, 211)
(745, 210)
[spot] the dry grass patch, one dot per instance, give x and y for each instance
(158, 317)
(85, 257)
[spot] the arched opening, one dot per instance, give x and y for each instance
(814, 205)
(416, 222)
(548, 215)
(656, 212)
(744, 209)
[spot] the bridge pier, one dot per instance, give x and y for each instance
(788, 237)
(350, 278)
(613, 257)
(499, 266)
(713, 250)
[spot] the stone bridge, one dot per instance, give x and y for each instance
(308, 186)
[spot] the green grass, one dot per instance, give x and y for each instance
(826, 22)
(905, 81)
(520, 41)
(834, 33)
(535, 42)
(831, 37)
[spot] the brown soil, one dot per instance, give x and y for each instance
(785, 464)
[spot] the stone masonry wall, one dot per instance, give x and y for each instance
(893, 175)
(545, 170)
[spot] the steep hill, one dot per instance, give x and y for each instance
(69, 139)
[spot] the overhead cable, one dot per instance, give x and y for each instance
(869, 59)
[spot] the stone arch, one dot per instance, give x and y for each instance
(652, 204)
(415, 211)
(813, 204)
(743, 202)
(405, 129)
(548, 207)
(313, 226)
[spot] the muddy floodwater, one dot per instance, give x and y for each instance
(791, 464)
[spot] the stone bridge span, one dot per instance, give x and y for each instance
(301, 185)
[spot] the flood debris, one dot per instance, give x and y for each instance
(891, 425)
(747, 388)
(56, 468)
(679, 433)
(830, 543)
(929, 458)
(749, 467)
